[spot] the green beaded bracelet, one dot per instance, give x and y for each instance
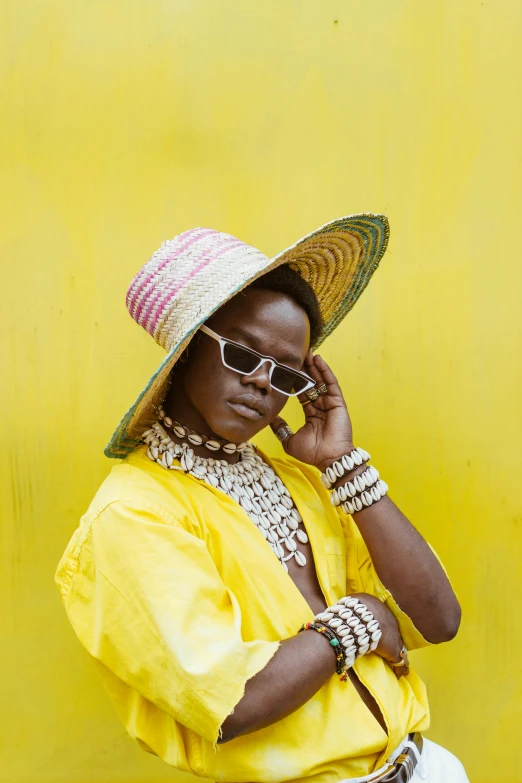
(334, 641)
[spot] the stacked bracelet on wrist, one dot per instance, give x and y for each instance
(342, 466)
(350, 625)
(363, 490)
(334, 640)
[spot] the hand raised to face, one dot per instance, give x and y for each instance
(327, 430)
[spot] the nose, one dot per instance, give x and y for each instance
(260, 377)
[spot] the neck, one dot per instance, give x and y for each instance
(179, 408)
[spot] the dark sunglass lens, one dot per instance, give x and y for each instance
(287, 381)
(240, 359)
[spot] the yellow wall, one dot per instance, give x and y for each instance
(127, 122)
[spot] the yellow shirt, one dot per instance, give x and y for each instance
(179, 600)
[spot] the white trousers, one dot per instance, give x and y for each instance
(436, 765)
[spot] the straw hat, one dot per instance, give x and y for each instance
(192, 275)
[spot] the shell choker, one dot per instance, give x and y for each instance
(212, 444)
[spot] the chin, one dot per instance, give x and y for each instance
(235, 429)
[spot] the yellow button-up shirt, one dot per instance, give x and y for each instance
(179, 600)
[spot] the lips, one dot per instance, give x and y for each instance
(248, 406)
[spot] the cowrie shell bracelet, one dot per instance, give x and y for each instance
(363, 490)
(355, 626)
(344, 465)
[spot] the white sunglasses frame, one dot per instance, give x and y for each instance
(272, 362)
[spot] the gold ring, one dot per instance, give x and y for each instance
(403, 659)
(322, 389)
(312, 393)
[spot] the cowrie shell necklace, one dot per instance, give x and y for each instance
(250, 482)
(212, 444)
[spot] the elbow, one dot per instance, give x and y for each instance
(245, 719)
(234, 726)
(448, 626)
(453, 624)
(227, 732)
(225, 737)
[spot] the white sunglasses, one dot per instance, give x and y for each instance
(245, 361)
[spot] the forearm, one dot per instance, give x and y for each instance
(301, 666)
(408, 568)
(404, 562)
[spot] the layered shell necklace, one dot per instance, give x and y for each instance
(250, 482)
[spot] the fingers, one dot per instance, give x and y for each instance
(330, 394)
(326, 375)
(316, 367)
(315, 374)
(306, 403)
(281, 430)
(401, 664)
(311, 369)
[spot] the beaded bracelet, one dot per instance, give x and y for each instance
(355, 638)
(351, 629)
(334, 640)
(342, 466)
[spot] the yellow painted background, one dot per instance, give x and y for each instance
(124, 123)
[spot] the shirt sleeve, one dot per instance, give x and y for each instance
(146, 599)
(362, 577)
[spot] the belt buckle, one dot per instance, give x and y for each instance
(382, 775)
(401, 761)
(405, 760)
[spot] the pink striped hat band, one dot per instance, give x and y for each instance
(190, 276)
(182, 275)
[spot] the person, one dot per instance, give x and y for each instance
(250, 616)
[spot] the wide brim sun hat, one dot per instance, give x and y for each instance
(191, 276)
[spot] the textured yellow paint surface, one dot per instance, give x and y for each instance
(125, 123)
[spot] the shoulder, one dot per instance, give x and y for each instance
(137, 482)
(136, 498)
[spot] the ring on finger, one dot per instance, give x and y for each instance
(283, 432)
(312, 393)
(322, 389)
(403, 662)
(306, 402)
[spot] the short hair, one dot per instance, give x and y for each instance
(288, 281)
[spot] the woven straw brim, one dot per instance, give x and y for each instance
(337, 260)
